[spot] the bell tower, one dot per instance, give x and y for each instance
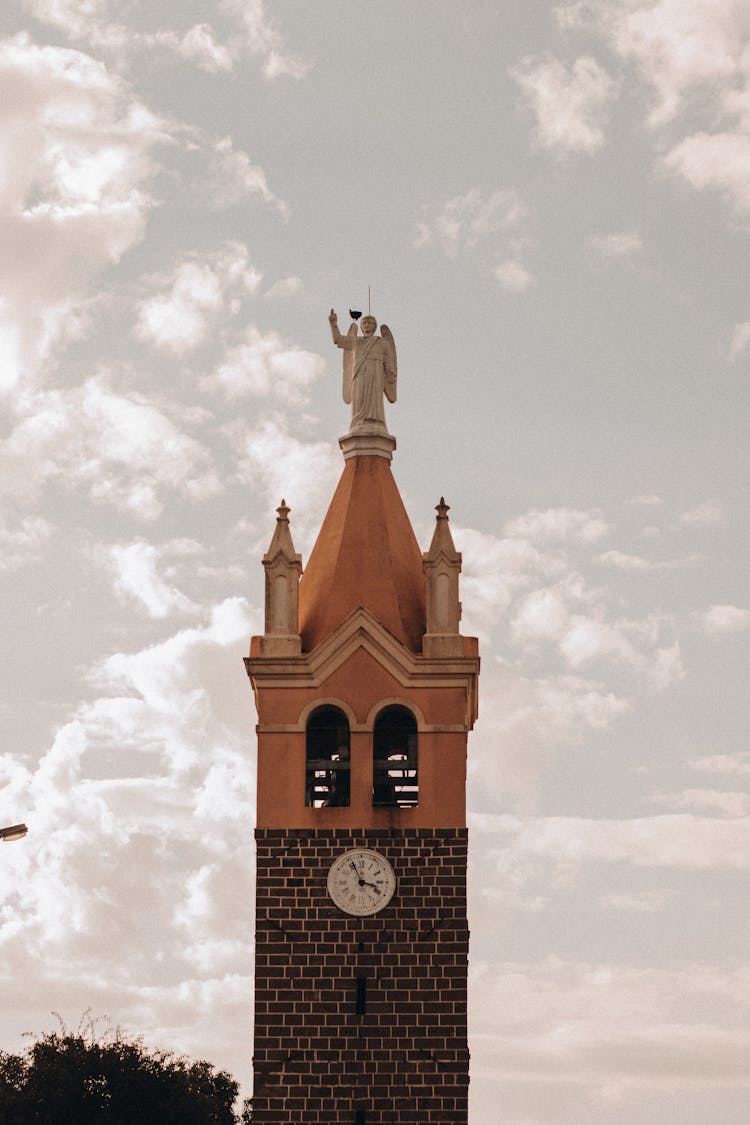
(365, 692)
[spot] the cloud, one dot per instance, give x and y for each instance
(719, 620)
(259, 37)
(640, 902)
(77, 149)
(199, 45)
(86, 21)
(122, 451)
(715, 161)
(143, 797)
(525, 721)
(680, 50)
(621, 244)
(250, 34)
(588, 640)
(137, 580)
(716, 800)
(570, 104)
(557, 1022)
(531, 585)
(180, 317)
(22, 540)
(285, 287)
(462, 223)
(273, 460)
(725, 764)
(709, 513)
(513, 276)
(233, 178)
(740, 340)
(688, 57)
(681, 840)
(558, 525)
(266, 365)
(622, 561)
(649, 500)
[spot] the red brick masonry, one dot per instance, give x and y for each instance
(405, 1059)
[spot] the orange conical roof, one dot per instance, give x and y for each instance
(365, 555)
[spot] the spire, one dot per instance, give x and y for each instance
(442, 566)
(366, 555)
(283, 567)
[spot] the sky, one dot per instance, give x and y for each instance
(551, 205)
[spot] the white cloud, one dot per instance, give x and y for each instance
(709, 513)
(233, 178)
(542, 615)
(717, 161)
(513, 276)
(261, 38)
(620, 244)
(87, 21)
(647, 500)
(588, 640)
(304, 473)
(725, 764)
(250, 34)
(462, 223)
(22, 540)
(76, 150)
(136, 579)
(620, 560)
(680, 50)
(180, 317)
(711, 800)
(266, 365)
(640, 902)
(122, 451)
(167, 676)
(199, 45)
(525, 721)
(689, 56)
(719, 620)
(681, 840)
(740, 340)
(153, 778)
(603, 1026)
(570, 105)
(285, 287)
(558, 525)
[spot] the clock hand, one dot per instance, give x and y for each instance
(363, 883)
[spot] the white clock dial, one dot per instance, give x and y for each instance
(361, 881)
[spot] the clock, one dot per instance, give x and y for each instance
(361, 881)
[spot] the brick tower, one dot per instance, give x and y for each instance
(365, 692)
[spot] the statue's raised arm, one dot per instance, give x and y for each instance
(370, 372)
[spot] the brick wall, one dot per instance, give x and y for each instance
(405, 1058)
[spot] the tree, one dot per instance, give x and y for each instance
(77, 1079)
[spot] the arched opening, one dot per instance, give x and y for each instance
(395, 781)
(327, 759)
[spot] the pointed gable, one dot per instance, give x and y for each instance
(366, 555)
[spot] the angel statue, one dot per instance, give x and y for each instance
(369, 371)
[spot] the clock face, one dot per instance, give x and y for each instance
(361, 881)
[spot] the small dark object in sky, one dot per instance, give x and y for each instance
(354, 314)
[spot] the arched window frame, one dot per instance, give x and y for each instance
(395, 758)
(327, 758)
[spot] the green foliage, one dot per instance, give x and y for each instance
(77, 1079)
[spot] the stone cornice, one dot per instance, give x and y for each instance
(361, 630)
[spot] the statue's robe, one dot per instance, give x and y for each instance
(369, 373)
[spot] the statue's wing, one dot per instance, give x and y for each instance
(391, 365)
(349, 365)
